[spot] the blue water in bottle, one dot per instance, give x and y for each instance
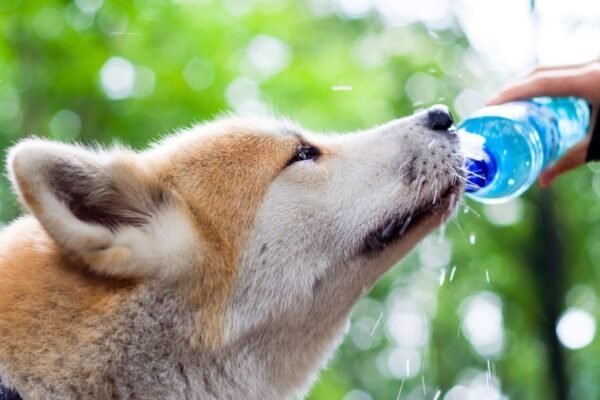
(507, 146)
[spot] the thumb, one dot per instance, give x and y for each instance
(572, 158)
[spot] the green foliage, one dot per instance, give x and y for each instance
(186, 55)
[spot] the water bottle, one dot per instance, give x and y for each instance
(508, 145)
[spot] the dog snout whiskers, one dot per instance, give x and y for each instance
(417, 166)
(405, 225)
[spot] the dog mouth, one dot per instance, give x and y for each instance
(400, 226)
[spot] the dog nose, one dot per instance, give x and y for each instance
(439, 118)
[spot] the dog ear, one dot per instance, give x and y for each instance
(105, 208)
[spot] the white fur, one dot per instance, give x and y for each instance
(312, 221)
(302, 268)
(162, 247)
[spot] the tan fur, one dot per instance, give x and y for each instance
(48, 304)
(223, 205)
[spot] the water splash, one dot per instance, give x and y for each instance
(376, 325)
(442, 277)
(372, 333)
(488, 376)
(442, 235)
(400, 390)
(468, 209)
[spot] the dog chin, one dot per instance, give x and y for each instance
(443, 209)
(414, 226)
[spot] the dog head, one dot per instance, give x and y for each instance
(261, 224)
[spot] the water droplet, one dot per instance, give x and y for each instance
(341, 88)
(376, 325)
(400, 390)
(511, 182)
(442, 277)
(487, 276)
(452, 273)
(472, 238)
(442, 235)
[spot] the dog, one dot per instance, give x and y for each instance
(220, 263)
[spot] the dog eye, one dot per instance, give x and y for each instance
(304, 152)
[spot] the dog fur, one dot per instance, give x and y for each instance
(217, 264)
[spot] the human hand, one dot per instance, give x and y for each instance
(576, 80)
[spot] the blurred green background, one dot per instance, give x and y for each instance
(499, 304)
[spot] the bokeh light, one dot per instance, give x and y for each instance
(65, 125)
(48, 23)
(404, 363)
(435, 252)
(268, 55)
(244, 96)
(576, 328)
(421, 88)
(482, 323)
(508, 213)
(118, 78)
(89, 6)
(408, 329)
(199, 73)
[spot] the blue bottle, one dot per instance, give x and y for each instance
(507, 146)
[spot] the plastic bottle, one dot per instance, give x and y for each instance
(507, 146)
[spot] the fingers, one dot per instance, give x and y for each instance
(543, 68)
(581, 80)
(572, 158)
(575, 80)
(555, 83)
